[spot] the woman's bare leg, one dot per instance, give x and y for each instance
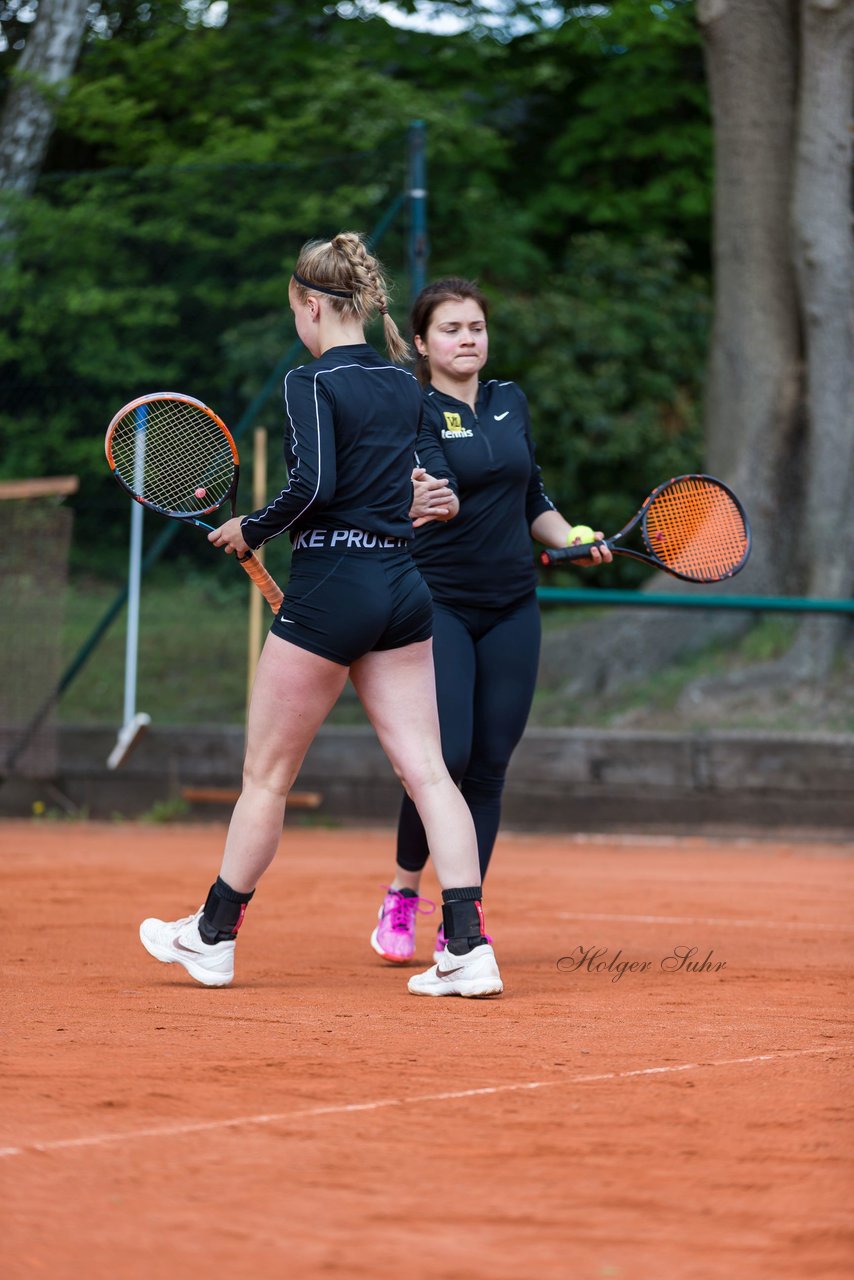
(404, 879)
(293, 693)
(397, 690)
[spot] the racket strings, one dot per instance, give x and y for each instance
(696, 528)
(174, 456)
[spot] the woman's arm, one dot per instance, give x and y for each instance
(312, 472)
(552, 530)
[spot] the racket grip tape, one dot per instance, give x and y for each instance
(557, 555)
(269, 588)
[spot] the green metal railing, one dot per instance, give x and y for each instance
(665, 600)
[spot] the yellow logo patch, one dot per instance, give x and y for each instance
(453, 422)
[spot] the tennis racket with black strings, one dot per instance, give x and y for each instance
(693, 527)
(174, 455)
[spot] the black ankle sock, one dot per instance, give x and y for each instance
(223, 912)
(462, 917)
(462, 946)
(407, 893)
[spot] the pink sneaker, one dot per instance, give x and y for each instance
(442, 941)
(394, 936)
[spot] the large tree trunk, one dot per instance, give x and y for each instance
(823, 253)
(754, 383)
(49, 58)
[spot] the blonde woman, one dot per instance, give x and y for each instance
(355, 605)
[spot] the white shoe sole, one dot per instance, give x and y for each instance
(473, 990)
(166, 956)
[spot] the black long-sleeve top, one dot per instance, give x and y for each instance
(484, 555)
(352, 423)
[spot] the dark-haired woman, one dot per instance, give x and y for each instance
(480, 570)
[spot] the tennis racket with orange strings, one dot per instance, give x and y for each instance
(174, 455)
(693, 527)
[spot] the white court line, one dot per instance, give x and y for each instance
(760, 838)
(724, 920)
(179, 1130)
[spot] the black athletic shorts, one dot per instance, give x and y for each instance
(351, 593)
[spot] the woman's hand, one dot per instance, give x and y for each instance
(229, 536)
(598, 555)
(553, 530)
(432, 499)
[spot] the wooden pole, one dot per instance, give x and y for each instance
(40, 487)
(256, 602)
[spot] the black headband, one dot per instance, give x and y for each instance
(322, 288)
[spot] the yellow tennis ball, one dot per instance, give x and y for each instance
(582, 532)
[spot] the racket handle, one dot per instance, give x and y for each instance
(268, 587)
(557, 555)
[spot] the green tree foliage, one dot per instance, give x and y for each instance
(633, 148)
(189, 163)
(604, 110)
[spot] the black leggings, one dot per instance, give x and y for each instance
(486, 671)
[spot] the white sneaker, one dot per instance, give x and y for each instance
(474, 974)
(179, 942)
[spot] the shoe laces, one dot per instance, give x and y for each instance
(403, 909)
(179, 924)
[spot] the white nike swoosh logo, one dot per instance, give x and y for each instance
(498, 416)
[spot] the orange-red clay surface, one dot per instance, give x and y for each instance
(315, 1120)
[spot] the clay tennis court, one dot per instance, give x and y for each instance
(314, 1119)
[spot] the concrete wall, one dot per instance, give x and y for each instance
(560, 779)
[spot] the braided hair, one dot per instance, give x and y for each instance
(351, 279)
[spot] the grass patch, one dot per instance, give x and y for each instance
(724, 686)
(193, 659)
(192, 662)
(769, 639)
